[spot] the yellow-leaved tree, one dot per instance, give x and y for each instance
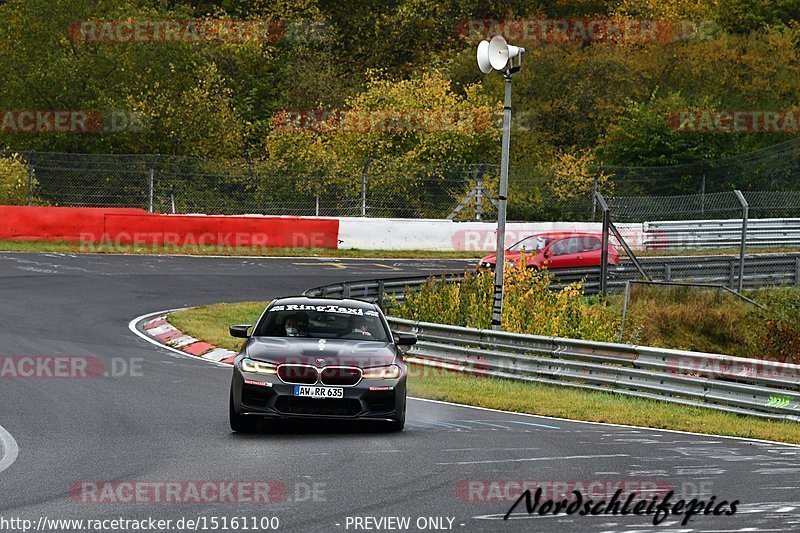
(13, 180)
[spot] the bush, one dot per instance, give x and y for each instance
(13, 180)
(530, 305)
(673, 317)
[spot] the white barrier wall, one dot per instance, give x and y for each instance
(447, 235)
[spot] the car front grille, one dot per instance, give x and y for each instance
(313, 406)
(298, 374)
(342, 376)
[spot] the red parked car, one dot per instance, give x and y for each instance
(557, 250)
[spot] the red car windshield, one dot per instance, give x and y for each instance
(534, 243)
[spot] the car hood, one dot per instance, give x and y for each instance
(279, 350)
(510, 256)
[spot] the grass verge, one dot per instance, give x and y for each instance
(111, 248)
(210, 323)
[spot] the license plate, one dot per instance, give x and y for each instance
(319, 392)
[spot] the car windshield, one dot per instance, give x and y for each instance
(534, 243)
(322, 322)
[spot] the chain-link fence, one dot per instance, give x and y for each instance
(172, 184)
(735, 222)
(384, 188)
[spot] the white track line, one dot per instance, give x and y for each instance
(151, 340)
(643, 428)
(132, 327)
(10, 449)
(321, 258)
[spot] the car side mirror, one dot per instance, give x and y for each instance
(405, 339)
(240, 331)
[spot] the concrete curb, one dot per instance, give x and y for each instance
(160, 330)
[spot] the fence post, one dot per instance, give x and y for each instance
(151, 178)
(732, 272)
(364, 187)
(316, 210)
(797, 271)
(478, 199)
(625, 303)
(30, 184)
(745, 213)
(604, 251)
(381, 289)
(703, 195)
(594, 191)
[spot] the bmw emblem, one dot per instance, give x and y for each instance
(320, 360)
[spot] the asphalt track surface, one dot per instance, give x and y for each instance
(168, 420)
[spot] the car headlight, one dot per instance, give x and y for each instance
(257, 367)
(382, 372)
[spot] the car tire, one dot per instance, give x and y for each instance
(398, 423)
(240, 423)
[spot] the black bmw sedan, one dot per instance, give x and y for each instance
(319, 358)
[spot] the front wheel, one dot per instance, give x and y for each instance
(398, 423)
(240, 423)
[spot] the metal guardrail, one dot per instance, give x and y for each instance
(376, 290)
(744, 386)
(761, 270)
(721, 233)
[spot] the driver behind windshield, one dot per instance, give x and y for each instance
(295, 325)
(359, 326)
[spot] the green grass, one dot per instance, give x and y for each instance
(210, 323)
(110, 248)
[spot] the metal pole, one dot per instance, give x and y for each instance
(479, 199)
(703, 195)
(317, 208)
(150, 186)
(502, 199)
(364, 188)
(745, 213)
(30, 184)
(594, 191)
(604, 255)
(172, 201)
(625, 303)
(604, 244)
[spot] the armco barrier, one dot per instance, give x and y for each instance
(682, 234)
(135, 226)
(765, 389)
(761, 270)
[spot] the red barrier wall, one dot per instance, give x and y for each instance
(54, 223)
(136, 226)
